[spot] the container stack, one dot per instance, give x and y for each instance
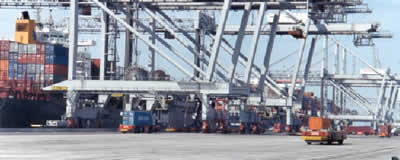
(56, 63)
(33, 62)
(4, 47)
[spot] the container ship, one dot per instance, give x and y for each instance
(26, 66)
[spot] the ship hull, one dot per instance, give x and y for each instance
(22, 113)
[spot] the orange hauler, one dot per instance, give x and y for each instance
(320, 130)
(385, 130)
(221, 114)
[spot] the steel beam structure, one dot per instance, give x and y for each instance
(291, 97)
(315, 29)
(217, 41)
(128, 45)
(239, 40)
(382, 93)
(344, 61)
(104, 50)
(386, 106)
(337, 61)
(152, 55)
(299, 59)
(267, 57)
(345, 91)
(307, 70)
(351, 117)
(324, 72)
(73, 40)
(257, 71)
(172, 49)
(181, 40)
(156, 18)
(254, 43)
(115, 86)
(140, 36)
(160, 4)
(393, 104)
(187, 4)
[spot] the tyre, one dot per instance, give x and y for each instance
(309, 143)
(340, 142)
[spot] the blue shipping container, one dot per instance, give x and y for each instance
(25, 67)
(11, 75)
(56, 50)
(13, 56)
(12, 61)
(59, 78)
(20, 76)
(137, 118)
(12, 65)
(61, 60)
(59, 50)
(30, 76)
(49, 49)
(20, 68)
(51, 59)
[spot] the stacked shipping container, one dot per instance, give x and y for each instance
(4, 52)
(56, 63)
(33, 62)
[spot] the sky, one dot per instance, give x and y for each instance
(386, 13)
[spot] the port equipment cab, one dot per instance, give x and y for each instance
(320, 130)
(136, 121)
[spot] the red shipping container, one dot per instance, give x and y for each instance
(31, 58)
(40, 58)
(4, 55)
(3, 75)
(96, 62)
(4, 45)
(22, 58)
(56, 69)
(355, 129)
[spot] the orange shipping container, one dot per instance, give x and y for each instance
(317, 123)
(308, 94)
(4, 65)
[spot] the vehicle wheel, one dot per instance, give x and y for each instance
(309, 143)
(329, 142)
(340, 142)
(124, 132)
